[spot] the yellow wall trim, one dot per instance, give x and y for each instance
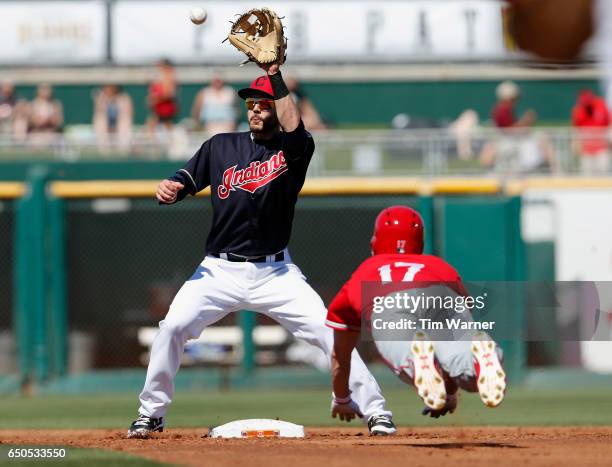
(11, 190)
(333, 186)
(314, 187)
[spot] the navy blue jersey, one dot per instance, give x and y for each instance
(254, 187)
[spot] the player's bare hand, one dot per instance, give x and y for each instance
(345, 409)
(167, 190)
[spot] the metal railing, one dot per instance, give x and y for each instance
(423, 152)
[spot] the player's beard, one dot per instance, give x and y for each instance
(266, 129)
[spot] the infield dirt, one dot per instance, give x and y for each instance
(444, 446)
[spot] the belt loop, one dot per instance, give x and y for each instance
(223, 256)
(270, 258)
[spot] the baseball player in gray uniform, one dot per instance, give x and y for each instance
(255, 178)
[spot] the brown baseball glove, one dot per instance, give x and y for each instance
(259, 34)
(552, 29)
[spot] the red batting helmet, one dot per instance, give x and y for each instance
(398, 229)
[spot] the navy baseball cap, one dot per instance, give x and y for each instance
(260, 87)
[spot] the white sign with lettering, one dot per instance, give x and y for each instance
(53, 32)
(317, 31)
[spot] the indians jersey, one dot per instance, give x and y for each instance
(254, 187)
(392, 272)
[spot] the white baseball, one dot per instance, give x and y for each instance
(198, 15)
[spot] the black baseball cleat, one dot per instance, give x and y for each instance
(143, 426)
(381, 425)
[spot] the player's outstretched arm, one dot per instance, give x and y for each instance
(287, 110)
(344, 343)
(342, 404)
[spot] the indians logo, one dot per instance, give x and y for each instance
(256, 175)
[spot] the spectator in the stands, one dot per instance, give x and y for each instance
(113, 118)
(162, 99)
(13, 111)
(310, 116)
(46, 114)
(517, 149)
(214, 108)
(461, 129)
(503, 114)
(591, 118)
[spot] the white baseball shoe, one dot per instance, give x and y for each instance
(428, 379)
(490, 376)
(143, 426)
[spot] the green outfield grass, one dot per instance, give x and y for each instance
(307, 407)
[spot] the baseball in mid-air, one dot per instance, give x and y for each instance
(198, 15)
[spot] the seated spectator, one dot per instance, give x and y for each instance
(518, 149)
(214, 108)
(13, 111)
(503, 115)
(591, 117)
(310, 116)
(162, 97)
(112, 118)
(46, 116)
(461, 129)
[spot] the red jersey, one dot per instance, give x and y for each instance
(344, 313)
(503, 114)
(163, 107)
(591, 113)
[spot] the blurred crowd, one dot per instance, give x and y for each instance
(215, 109)
(39, 118)
(534, 150)
(518, 146)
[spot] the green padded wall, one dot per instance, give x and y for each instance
(368, 103)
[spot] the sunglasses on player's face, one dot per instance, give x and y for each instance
(264, 104)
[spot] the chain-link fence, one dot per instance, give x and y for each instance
(126, 259)
(8, 341)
